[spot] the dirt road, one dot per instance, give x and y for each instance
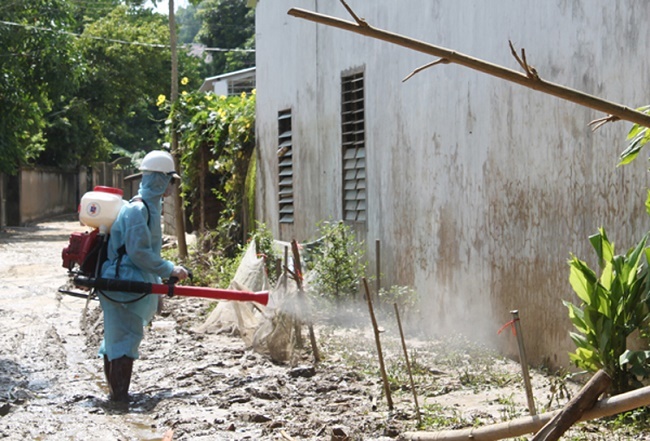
(198, 386)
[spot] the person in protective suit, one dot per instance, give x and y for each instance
(134, 254)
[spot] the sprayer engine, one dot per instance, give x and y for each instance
(82, 251)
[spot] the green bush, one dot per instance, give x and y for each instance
(338, 261)
(614, 305)
(407, 299)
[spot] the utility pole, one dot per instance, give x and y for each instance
(178, 201)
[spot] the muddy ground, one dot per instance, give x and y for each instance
(191, 386)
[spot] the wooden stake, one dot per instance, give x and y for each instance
(408, 365)
(375, 328)
(529, 79)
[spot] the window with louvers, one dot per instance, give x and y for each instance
(354, 148)
(285, 167)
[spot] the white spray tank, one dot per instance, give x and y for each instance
(99, 208)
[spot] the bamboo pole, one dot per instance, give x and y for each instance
(380, 354)
(408, 364)
(530, 79)
(529, 424)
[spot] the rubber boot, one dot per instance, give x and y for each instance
(119, 378)
(107, 374)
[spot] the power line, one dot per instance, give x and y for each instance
(112, 40)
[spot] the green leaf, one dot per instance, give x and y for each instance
(604, 302)
(582, 280)
(585, 358)
(604, 249)
(607, 276)
(577, 317)
(580, 341)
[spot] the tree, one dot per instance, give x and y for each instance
(39, 65)
(74, 90)
(188, 24)
(227, 24)
(128, 64)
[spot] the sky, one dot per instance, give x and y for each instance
(163, 5)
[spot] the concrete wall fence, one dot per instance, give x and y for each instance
(38, 193)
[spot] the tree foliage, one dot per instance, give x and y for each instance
(122, 80)
(338, 261)
(38, 66)
(189, 24)
(227, 24)
(79, 80)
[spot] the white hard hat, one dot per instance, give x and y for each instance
(159, 161)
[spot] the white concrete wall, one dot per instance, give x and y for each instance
(478, 189)
(45, 193)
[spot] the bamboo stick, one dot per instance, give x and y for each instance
(380, 354)
(408, 365)
(531, 79)
(529, 424)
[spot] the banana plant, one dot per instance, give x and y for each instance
(614, 305)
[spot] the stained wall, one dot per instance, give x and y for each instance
(479, 190)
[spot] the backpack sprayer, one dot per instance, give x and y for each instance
(86, 252)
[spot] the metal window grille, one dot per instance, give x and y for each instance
(236, 87)
(354, 148)
(285, 167)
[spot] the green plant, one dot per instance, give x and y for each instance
(407, 299)
(509, 410)
(558, 391)
(633, 421)
(339, 261)
(638, 136)
(614, 305)
(437, 416)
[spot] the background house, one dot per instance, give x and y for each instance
(477, 189)
(231, 83)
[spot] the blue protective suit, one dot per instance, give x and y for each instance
(139, 230)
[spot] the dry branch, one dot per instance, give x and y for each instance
(530, 79)
(521, 426)
(426, 66)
